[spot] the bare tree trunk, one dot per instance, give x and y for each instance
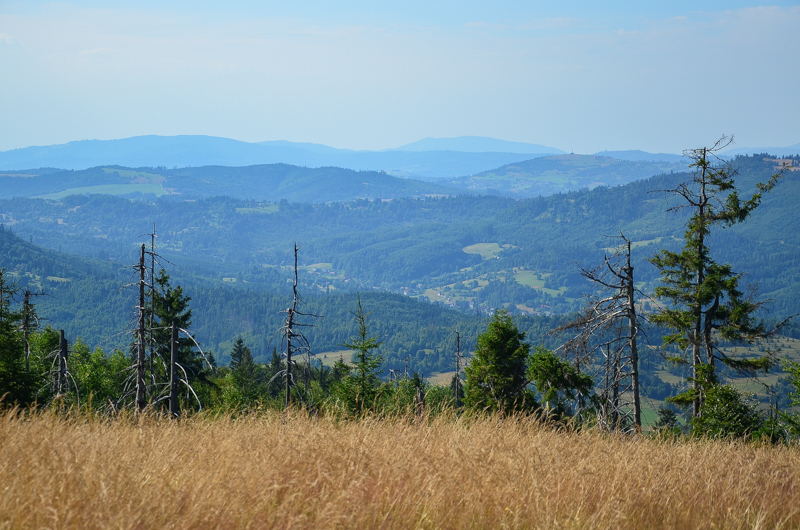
(290, 333)
(697, 360)
(290, 323)
(616, 416)
(419, 403)
(609, 382)
(62, 362)
(458, 367)
(152, 306)
(26, 308)
(141, 391)
(634, 350)
(173, 380)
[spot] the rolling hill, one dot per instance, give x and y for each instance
(560, 173)
(473, 252)
(272, 182)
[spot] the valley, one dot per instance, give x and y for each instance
(449, 260)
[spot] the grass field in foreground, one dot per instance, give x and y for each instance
(275, 471)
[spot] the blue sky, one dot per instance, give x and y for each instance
(582, 76)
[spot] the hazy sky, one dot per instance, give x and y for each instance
(582, 76)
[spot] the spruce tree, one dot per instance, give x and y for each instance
(241, 357)
(360, 388)
(171, 305)
(496, 379)
(244, 370)
(17, 386)
(703, 299)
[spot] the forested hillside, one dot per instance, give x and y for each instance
(469, 252)
(272, 182)
(231, 258)
(563, 173)
(88, 300)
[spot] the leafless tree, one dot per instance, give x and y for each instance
(457, 377)
(61, 375)
(605, 340)
(295, 342)
(30, 321)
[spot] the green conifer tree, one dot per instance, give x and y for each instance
(16, 385)
(496, 379)
(172, 306)
(703, 300)
(244, 370)
(359, 389)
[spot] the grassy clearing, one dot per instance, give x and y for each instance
(435, 295)
(136, 176)
(329, 358)
(275, 471)
(441, 378)
(535, 281)
(529, 279)
(317, 266)
(484, 250)
(108, 189)
(270, 208)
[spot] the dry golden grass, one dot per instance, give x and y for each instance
(265, 472)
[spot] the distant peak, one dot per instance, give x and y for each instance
(477, 144)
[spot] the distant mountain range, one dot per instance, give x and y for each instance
(477, 144)
(789, 150)
(426, 159)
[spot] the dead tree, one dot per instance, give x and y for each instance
(607, 331)
(29, 322)
(296, 343)
(419, 402)
(457, 377)
(173, 380)
(61, 375)
(397, 375)
(141, 390)
(152, 306)
(63, 353)
(26, 329)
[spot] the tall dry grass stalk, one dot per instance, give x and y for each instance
(276, 472)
